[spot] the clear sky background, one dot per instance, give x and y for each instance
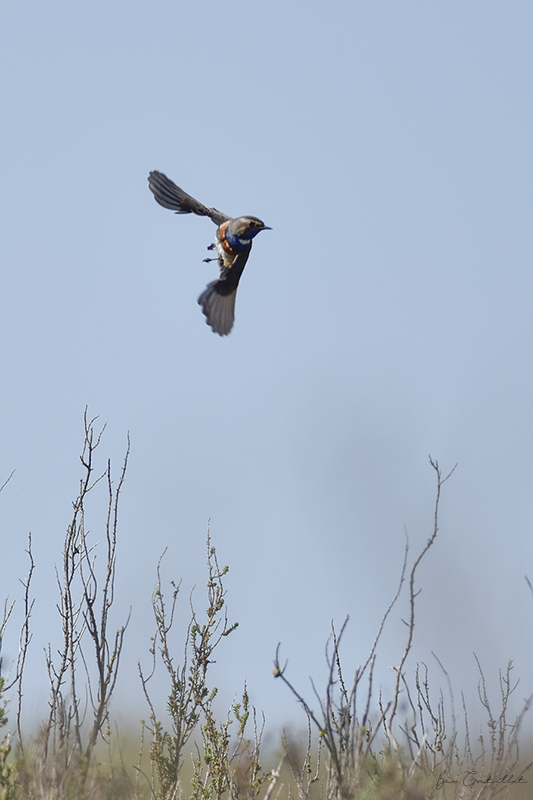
(386, 317)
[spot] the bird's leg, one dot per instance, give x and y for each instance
(211, 247)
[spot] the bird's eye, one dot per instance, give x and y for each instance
(252, 224)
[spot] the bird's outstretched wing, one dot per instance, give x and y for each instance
(218, 298)
(171, 196)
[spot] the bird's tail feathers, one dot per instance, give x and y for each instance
(218, 306)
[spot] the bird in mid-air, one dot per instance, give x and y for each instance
(233, 245)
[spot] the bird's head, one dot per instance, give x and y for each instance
(245, 228)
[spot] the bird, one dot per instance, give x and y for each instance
(233, 245)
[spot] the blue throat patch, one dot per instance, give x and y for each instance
(235, 243)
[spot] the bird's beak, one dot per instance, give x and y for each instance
(266, 228)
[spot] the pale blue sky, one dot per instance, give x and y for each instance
(386, 316)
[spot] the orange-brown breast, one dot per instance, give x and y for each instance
(224, 248)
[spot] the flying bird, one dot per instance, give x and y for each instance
(233, 245)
